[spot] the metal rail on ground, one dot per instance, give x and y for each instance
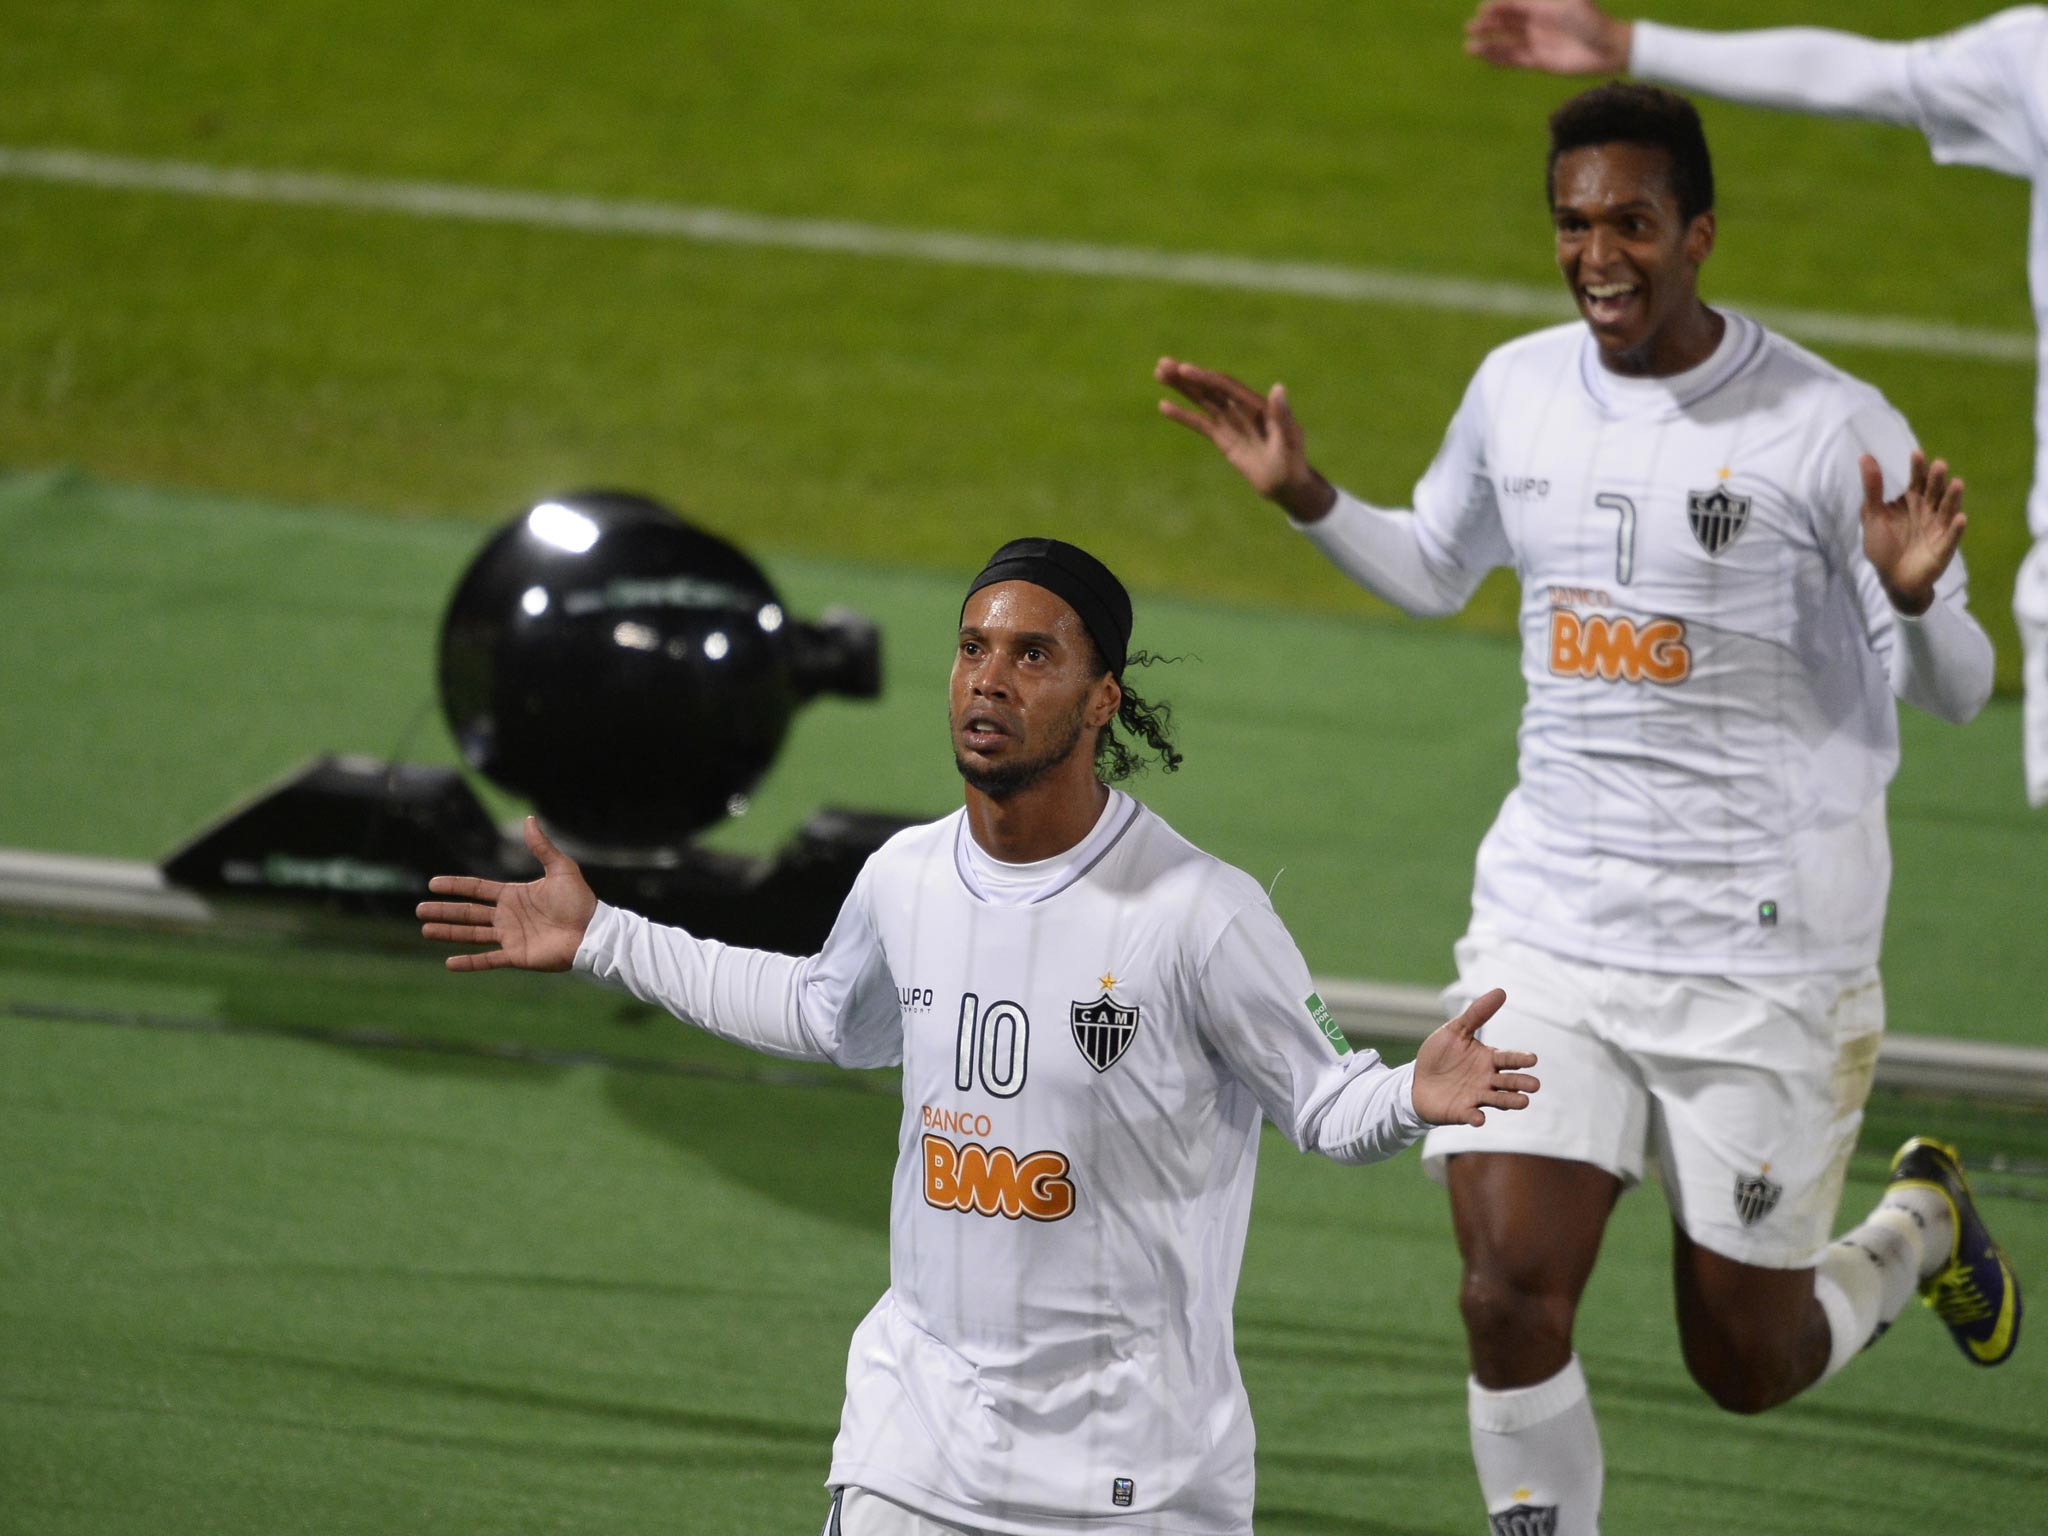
(127, 890)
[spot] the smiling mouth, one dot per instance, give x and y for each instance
(1607, 303)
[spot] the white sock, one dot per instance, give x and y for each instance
(1867, 1276)
(1537, 1448)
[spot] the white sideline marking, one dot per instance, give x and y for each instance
(722, 226)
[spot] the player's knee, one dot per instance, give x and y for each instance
(1742, 1369)
(1736, 1390)
(1507, 1303)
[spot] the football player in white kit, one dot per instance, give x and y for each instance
(1732, 557)
(1979, 94)
(1091, 1015)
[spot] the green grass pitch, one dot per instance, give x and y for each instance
(257, 1280)
(273, 1263)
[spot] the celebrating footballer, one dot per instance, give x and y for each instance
(1092, 1017)
(1733, 559)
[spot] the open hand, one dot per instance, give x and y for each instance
(1256, 433)
(1559, 37)
(1911, 539)
(537, 926)
(1457, 1076)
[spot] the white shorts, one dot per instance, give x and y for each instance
(857, 1512)
(1749, 1090)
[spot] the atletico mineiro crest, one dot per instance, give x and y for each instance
(1104, 1028)
(1524, 1520)
(1716, 517)
(1756, 1196)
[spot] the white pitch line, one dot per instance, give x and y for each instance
(722, 226)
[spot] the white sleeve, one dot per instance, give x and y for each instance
(1977, 92)
(1969, 91)
(1798, 69)
(1259, 1009)
(838, 1005)
(1430, 561)
(1940, 661)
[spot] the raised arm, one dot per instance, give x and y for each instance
(1941, 659)
(1796, 69)
(1389, 553)
(1799, 69)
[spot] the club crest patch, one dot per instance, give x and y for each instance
(1756, 1196)
(1103, 1030)
(1716, 517)
(1524, 1520)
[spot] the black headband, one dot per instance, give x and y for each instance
(1076, 577)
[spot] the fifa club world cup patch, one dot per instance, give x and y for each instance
(1104, 1028)
(1756, 1196)
(1716, 517)
(1121, 1491)
(1319, 1014)
(1524, 1520)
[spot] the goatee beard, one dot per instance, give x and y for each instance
(1002, 780)
(999, 781)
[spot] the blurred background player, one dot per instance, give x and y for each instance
(1732, 556)
(1090, 1014)
(1979, 94)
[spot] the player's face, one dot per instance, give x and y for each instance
(1632, 261)
(1026, 696)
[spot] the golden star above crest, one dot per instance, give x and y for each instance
(1723, 472)
(1107, 982)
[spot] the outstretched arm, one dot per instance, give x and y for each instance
(1795, 69)
(1264, 1019)
(838, 1005)
(1798, 69)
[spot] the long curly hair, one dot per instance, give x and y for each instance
(1117, 759)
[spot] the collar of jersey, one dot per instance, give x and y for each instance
(1066, 868)
(1618, 395)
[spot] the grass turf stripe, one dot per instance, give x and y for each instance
(725, 226)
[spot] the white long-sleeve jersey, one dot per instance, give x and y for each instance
(1083, 1079)
(1710, 657)
(1979, 94)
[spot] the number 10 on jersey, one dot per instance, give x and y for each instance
(992, 1046)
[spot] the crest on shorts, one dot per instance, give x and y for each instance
(1103, 1030)
(1524, 1520)
(1756, 1196)
(1716, 517)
